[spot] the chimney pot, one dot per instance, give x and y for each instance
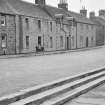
(92, 15)
(83, 12)
(101, 12)
(63, 4)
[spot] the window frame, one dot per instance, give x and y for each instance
(39, 25)
(5, 41)
(51, 42)
(27, 22)
(39, 40)
(3, 19)
(27, 42)
(51, 27)
(61, 41)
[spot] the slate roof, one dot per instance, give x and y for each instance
(29, 9)
(80, 18)
(5, 7)
(54, 10)
(21, 8)
(99, 20)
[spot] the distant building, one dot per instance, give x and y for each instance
(27, 27)
(100, 26)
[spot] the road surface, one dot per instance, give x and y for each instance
(94, 97)
(20, 73)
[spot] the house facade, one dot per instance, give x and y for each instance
(100, 26)
(7, 34)
(27, 27)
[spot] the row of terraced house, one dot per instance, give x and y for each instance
(27, 27)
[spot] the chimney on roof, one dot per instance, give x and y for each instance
(40, 2)
(63, 4)
(92, 15)
(101, 12)
(83, 12)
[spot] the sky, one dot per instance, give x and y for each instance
(76, 5)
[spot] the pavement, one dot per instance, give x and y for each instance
(48, 53)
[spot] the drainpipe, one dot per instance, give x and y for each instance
(15, 34)
(43, 44)
(64, 31)
(65, 36)
(76, 37)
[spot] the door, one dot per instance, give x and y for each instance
(4, 42)
(39, 40)
(68, 43)
(87, 42)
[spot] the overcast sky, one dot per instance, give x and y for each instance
(76, 5)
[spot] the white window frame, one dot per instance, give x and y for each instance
(4, 41)
(27, 42)
(3, 19)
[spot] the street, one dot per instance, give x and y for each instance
(93, 97)
(20, 73)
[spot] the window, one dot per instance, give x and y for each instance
(81, 26)
(39, 24)
(36, 1)
(39, 40)
(61, 41)
(3, 20)
(51, 26)
(87, 26)
(81, 39)
(92, 40)
(72, 40)
(4, 40)
(92, 27)
(58, 20)
(27, 23)
(51, 42)
(27, 42)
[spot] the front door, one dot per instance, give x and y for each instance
(87, 42)
(68, 43)
(39, 40)
(4, 42)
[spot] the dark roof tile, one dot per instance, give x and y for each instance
(21, 8)
(54, 10)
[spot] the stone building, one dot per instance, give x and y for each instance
(100, 26)
(27, 27)
(85, 29)
(80, 31)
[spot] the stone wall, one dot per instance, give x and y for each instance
(45, 33)
(100, 35)
(10, 32)
(86, 32)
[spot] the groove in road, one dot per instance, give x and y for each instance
(62, 91)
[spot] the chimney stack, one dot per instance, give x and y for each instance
(63, 4)
(40, 2)
(101, 12)
(92, 15)
(83, 12)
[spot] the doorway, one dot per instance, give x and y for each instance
(68, 43)
(87, 41)
(4, 42)
(39, 40)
